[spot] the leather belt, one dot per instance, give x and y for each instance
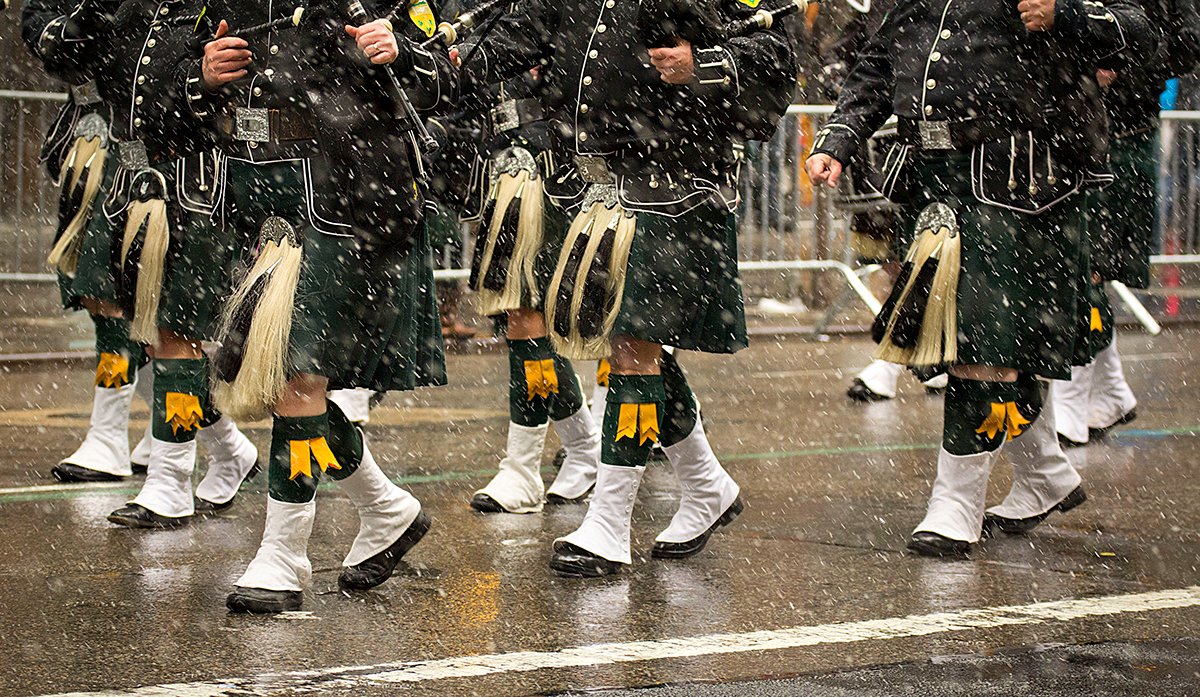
(266, 125)
(514, 113)
(954, 135)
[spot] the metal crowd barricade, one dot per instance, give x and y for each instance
(784, 224)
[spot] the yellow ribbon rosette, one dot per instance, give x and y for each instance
(638, 421)
(1005, 416)
(541, 379)
(112, 371)
(303, 453)
(183, 411)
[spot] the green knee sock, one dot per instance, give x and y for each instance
(569, 398)
(631, 419)
(980, 415)
(532, 380)
(117, 356)
(180, 392)
(299, 453)
(679, 408)
(345, 441)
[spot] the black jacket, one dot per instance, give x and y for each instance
(363, 169)
(1132, 100)
(957, 61)
(606, 99)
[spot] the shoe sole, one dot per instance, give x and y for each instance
(1024, 525)
(674, 552)
(859, 392)
(145, 524)
(486, 504)
(409, 539)
(927, 549)
(1099, 433)
(68, 476)
(253, 606)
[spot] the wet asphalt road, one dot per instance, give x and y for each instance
(812, 583)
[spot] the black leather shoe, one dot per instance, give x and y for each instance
(66, 472)
(931, 544)
(379, 568)
(572, 561)
(859, 392)
(1017, 526)
(137, 516)
(556, 500)
(1068, 443)
(254, 470)
(559, 458)
(260, 601)
(1098, 433)
(138, 468)
(680, 550)
(657, 454)
(486, 504)
(204, 507)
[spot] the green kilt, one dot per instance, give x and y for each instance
(94, 275)
(1023, 280)
(1121, 216)
(682, 286)
(360, 322)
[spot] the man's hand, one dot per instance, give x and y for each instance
(376, 41)
(1105, 77)
(674, 63)
(455, 58)
(823, 168)
(225, 58)
(1038, 15)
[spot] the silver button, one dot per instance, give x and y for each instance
(269, 72)
(138, 99)
(587, 79)
(141, 79)
(601, 29)
(583, 108)
(593, 53)
(163, 11)
(257, 91)
(582, 136)
(274, 49)
(945, 34)
(145, 60)
(253, 144)
(137, 122)
(928, 110)
(151, 43)
(611, 3)
(930, 83)
(653, 184)
(727, 80)
(935, 56)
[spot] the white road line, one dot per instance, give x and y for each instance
(348, 678)
(89, 486)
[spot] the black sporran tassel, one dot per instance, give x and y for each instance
(566, 290)
(911, 312)
(595, 296)
(481, 237)
(228, 359)
(879, 325)
(506, 242)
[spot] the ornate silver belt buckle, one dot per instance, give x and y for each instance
(935, 135)
(251, 124)
(505, 116)
(593, 170)
(87, 93)
(132, 154)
